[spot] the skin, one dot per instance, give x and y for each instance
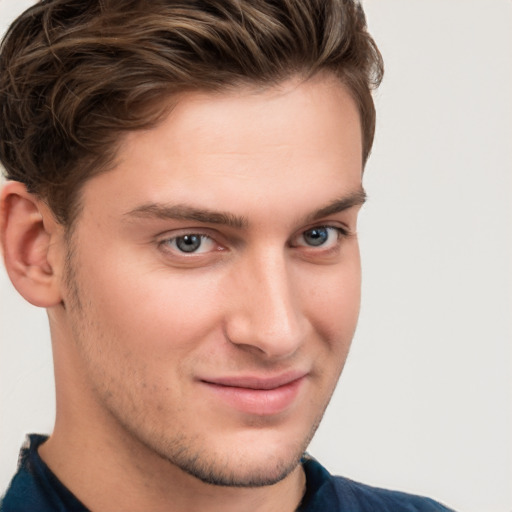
(143, 333)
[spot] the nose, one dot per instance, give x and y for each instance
(266, 315)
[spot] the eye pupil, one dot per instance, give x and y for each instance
(188, 243)
(316, 236)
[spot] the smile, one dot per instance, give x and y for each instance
(258, 396)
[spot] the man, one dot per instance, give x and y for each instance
(184, 180)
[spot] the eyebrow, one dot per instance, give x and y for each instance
(206, 216)
(188, 213)
(357, 198)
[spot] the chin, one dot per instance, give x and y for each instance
(241, 470)
(235, 460)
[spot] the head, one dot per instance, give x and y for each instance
(185, 179)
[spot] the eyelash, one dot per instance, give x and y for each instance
(184, 236)
(341, 233)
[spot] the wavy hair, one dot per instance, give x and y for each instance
(76, 74)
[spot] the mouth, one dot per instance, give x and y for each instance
(261, 396)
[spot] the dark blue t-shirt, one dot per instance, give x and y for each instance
(35, 488)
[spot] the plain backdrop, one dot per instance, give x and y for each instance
(424, 404)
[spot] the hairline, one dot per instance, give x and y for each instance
(168, 102)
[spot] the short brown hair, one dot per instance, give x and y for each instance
(75, 74)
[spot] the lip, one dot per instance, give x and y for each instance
(262, 396)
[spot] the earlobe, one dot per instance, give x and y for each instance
(27, 232)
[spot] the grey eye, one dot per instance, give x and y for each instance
(188, 243)
(316, 236)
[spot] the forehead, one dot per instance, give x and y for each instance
(206, 116)
(300, 137)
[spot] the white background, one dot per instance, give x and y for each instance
(424, 404)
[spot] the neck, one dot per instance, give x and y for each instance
(116, 473)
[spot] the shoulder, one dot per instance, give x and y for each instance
(327, 492)
(22, 493)
(384, 500)
(34, 488)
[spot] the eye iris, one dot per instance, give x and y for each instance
(188, 243)
(316, 236)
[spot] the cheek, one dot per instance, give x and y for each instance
(337, 307)
(139, 331)
(155, 310)
(333, 302)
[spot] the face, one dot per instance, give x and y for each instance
(214, 278)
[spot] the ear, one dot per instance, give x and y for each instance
(28, 230)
